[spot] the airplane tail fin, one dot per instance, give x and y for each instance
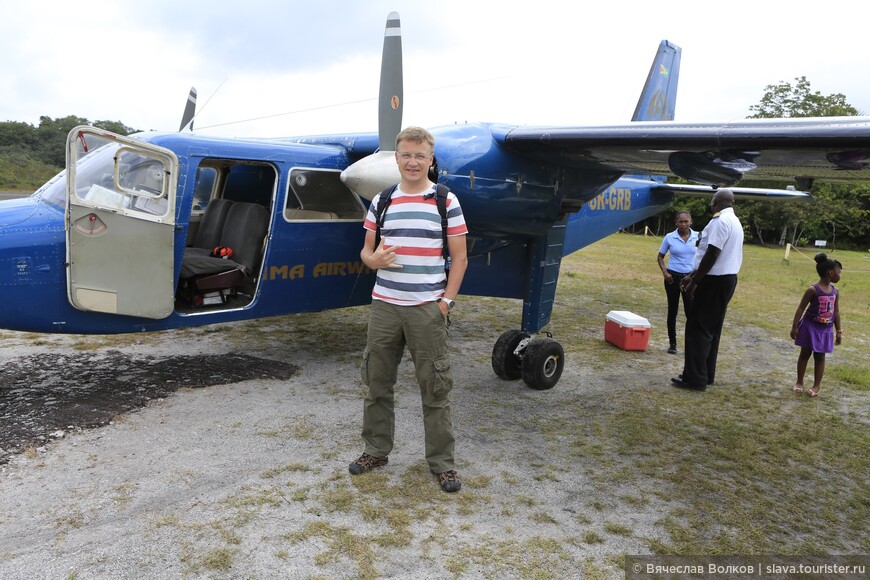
(659, 96)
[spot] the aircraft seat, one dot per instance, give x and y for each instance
(208, 235)
(308, 214)
(244, 231)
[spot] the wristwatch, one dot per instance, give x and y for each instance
(450, 303)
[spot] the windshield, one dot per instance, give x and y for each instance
(54, 191)
(99, 160)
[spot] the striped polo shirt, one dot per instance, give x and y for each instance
(413, 222)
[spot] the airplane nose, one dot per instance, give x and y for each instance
(14, 212)
(32, 261)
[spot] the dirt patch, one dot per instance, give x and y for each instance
(44, 396)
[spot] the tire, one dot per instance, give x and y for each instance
(505, 363)
(542, 364)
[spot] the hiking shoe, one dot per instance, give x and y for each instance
(366, 462)
(449, 481)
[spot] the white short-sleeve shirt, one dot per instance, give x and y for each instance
(726, 233)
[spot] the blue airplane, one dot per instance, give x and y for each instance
(165, 230)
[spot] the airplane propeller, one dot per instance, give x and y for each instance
(390, 97)
(189, 111)
(371, 174)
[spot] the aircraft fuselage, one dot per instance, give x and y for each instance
(308, 263)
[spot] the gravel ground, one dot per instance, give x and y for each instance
(242, 471)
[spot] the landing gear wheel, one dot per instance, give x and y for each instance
(543, 362)
(505, 363)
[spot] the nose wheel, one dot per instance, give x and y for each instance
(538, 361)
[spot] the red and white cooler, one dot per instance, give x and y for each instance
(626, 330)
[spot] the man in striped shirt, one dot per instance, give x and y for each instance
(411, 303)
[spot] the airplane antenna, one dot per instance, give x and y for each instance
(359, 101)
(296, 112)
(190, 112)
(208, 100)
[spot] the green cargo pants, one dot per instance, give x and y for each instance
(424, 330)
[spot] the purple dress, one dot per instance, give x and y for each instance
(816, 328)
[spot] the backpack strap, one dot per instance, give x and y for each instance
(384, 200)
(441, 201)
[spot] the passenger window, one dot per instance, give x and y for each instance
(317, 194)
(203, 189)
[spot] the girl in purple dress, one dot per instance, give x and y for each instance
(814, 331)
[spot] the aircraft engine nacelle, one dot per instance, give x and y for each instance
(372, 174)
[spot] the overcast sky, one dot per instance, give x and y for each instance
(309, 67)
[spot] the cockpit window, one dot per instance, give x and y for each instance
(53, 192)
(139, 174)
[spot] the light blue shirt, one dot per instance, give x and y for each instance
(682, 252)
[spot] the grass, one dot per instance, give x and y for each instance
(757, 471)
(767, 295)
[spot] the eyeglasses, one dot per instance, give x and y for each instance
(414, 156)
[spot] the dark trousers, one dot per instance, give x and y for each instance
(673, 292)
(704, 327)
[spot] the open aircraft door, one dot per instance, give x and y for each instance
(120, 224)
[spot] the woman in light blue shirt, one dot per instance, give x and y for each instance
(681, 244)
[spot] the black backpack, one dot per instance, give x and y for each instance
(386, 198)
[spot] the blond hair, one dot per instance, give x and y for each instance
(415, 134)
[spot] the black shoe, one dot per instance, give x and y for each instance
(366, 462)
(448, 480)
(709, 381)
(679, 383)
(672, 349)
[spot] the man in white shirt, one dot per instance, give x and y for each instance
(712, 284)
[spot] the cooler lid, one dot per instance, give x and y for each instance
(626, 318)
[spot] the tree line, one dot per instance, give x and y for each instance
(840, 216)
(30, 156)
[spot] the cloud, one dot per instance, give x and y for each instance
(312, 67)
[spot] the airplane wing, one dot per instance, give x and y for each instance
(834, 149)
